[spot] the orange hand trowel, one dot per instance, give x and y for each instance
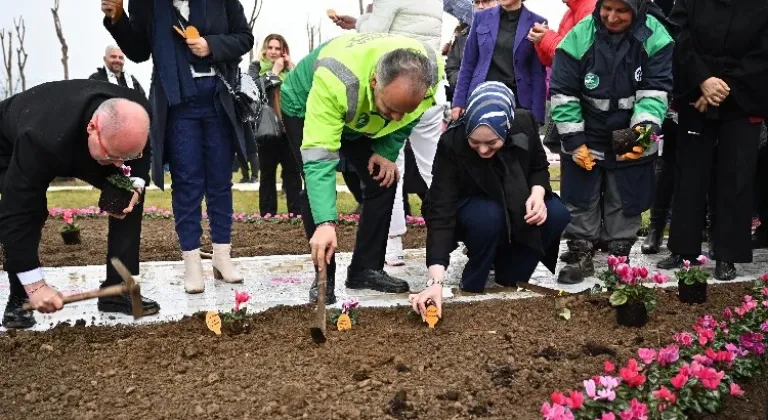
(189, 33)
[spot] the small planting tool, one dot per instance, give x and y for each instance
(318, 331)
(129, 287)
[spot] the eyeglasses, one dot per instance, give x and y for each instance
(484, 2)
(107, 156)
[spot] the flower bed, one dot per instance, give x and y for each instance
(692, 375)
(154, 212)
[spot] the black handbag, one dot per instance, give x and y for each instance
(267, 124)
(246, 97)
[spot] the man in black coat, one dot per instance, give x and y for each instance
(721, 98)
(77, 128)
(114, 70)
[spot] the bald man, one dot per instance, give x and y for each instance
(77, 128)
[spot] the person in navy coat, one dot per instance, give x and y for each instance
(497, 49)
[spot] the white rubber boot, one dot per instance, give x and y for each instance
(395, 255)
(193, 272)
(222, 265)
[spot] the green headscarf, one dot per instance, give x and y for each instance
(266, 66)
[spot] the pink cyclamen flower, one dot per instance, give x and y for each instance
(646, 355)
(623, 270)
(707, 321)
(609, 382)
(590, 388)
(640, 272)
(669, 355)
(606, 394)
(710, 378)
(679, 380)
(575, 400)
(608, 366)
(764, 277)
(612, 261)
(735, 390)
(702, 259)
(665, 394)
(660, 278)
(764, 326)
(556, 412)
(126, 170)
(685, 339)
(607, 416)
(241, 298)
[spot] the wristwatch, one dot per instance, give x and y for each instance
(433, 281)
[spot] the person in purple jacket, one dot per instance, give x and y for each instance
(498, 50)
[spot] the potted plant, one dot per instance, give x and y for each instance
(237, 321)
(626, 140)
(692, 282)
(70, 232)
(117, 192)
(632, 299)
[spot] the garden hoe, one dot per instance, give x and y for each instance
(318, 331)
(129, 287)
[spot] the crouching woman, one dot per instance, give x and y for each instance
(491, 190)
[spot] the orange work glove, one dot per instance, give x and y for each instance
(583, 158)
(637, 153)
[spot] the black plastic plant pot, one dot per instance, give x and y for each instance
(695, 293)
(71, 237)
(632, 314)
(623, 141)
(114, 199)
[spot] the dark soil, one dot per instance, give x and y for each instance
(160, 243)
(488, 360)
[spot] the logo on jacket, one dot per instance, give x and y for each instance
(591, 81)
(639, 74)
(362, 121)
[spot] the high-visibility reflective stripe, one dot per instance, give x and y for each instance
(432, 56)
(645, 117)
(560, 100)
(351, 82)
(600, 104)
(658, 94)
(569, 127)
(318, 155)
(626, 103)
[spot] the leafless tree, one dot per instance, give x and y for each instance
(314, 34)
(255, 12)
(7, 59)
(362, 9)
(60, 34)
(21, 53)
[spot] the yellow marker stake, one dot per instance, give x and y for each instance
(213, 321)
(432, 316)
(344, 322)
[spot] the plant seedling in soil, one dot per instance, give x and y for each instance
(347, 316)
(117, 192)
(237, 321)
(70, 231)
(431, 316)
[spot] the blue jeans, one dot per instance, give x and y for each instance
(200, 146)
(482, 228)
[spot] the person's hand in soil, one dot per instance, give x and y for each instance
(44, 298)
(134, 201)
(715, 90)
(432, 293)
(388, 172)
(323, 244)
(535, 209)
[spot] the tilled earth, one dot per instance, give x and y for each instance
(491, 360)
(160, 243)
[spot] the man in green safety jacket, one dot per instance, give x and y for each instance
(359, 95)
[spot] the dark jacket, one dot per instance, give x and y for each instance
(101, 74)
(228, 36)
(453, 61)
(43, 136)
(459, 172)
(598, 88)
(727, 39)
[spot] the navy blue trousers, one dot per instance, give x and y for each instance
(200, 145)
(483, 230)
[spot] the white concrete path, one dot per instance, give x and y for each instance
(285, 280)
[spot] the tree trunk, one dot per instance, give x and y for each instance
(60, 35)
(7, 59)
(362, 9)
(21, 53)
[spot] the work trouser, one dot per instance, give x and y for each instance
(275, 151)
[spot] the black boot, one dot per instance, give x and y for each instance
(760, 237)
(122, 304)
(665, 184)
(575, 272)
(621, 248)
(330, 290)
(676, 261)
(15, 317)
(571, 256)
(377, 280)
(725, 271)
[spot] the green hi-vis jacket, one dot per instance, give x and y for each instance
(331, 89)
